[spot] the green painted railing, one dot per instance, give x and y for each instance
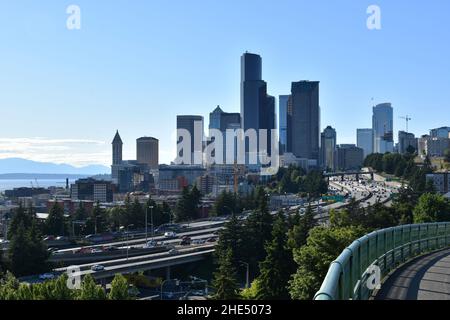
(348, 274)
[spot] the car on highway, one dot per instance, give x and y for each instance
(170, 235)
(110, 248)
(96, 250)
(62, 238)
(97, 267)
(150, 244)
(173, 251)
(49, 238)
(198, 241)
(185, 241)
(47, 276)
(212, 239)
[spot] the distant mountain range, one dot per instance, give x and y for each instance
(19, 166)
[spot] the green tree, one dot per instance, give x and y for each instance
(323, 246)
(225, 204)
(187, 206)
(91, 291)
(277, 267)
(231, 237)
(447, 155)
(299, 232)
(252, 292)
(432, 208)
(315, 184)
(20, 217)
(224, 281)
(56, 222)
(119, 288)
(258, 229)
(26, 253)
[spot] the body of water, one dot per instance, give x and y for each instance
(9, 184)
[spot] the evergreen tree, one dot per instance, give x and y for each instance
(225, 204)
(258, 229)
(232, 237)
(224, 280)
(56, 223)
(278, 266)
(26, 252)
(21, 217)
(187, 206)
(299, 232)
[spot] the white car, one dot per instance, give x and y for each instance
(173, 251)
(170, 234)
(47, 276)
(97, 267)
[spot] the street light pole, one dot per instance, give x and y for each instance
(151, 219)
(146, 225)
(247, 274)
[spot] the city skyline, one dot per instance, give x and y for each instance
(72, 74)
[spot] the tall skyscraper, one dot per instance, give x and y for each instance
(147, 152)
(364, 139)
(117, 145)
(406, 140)
(383, 128)
(282, 114)
(223, 121)
(304, 120)
(328, 148)
(257, 108)
(218, 119)
(194, 125)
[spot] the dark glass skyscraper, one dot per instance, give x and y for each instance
(304, 120)
(257, 108)
(191, 123)
(283, 108)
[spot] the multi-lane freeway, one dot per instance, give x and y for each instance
(365, 192)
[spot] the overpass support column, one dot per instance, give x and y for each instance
(167, 273)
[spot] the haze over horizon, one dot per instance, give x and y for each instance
(135, 66)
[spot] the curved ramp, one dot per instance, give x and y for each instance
(424, 278)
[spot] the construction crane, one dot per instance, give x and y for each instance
(407, 119)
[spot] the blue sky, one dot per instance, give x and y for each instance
(135, 65)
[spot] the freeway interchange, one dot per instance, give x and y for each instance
(133, 255)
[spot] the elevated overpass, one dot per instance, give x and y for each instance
(405, 262)
(349, 173)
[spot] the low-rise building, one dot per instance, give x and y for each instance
(93, 190)
(349, 157)
(433, 146)
(440, 181)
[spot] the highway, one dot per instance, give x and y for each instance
(146, 262)
(365, 193)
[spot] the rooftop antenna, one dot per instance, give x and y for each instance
(407, 119)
